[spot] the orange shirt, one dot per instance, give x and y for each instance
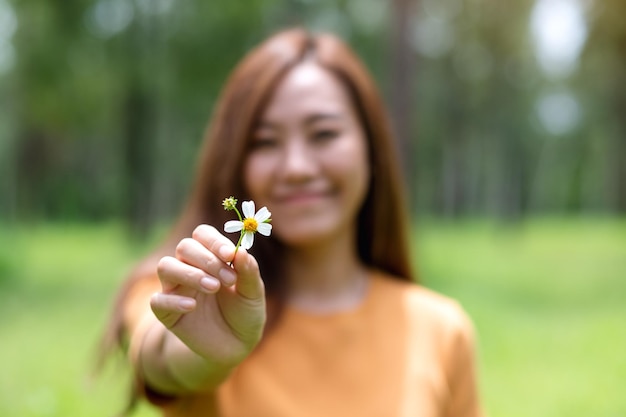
(404, 351)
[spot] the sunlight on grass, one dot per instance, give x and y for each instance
(547, 298)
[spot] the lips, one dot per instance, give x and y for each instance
(302, 197)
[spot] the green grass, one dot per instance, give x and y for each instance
(55, 294)
(547, 298)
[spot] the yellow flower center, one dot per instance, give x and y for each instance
(250, 225)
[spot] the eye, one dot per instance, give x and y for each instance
(264, 142)
(323, 135)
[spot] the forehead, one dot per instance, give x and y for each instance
(308, 88)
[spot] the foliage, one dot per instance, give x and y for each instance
(106, 102)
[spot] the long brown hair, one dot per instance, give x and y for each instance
(382, 221)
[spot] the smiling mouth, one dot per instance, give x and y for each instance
(303, 197)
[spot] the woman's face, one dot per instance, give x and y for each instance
(308, 159)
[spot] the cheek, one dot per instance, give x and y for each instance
(256, 177)
(352, 165)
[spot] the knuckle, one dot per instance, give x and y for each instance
(191, 276)
(203, 232)
(209, 258)
(198, 231)
(164, 267)
(183, 246)
(163, 264)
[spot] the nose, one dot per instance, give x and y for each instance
(299, 163)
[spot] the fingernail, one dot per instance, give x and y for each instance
(228, 276)
(209, 284)
(187, 304)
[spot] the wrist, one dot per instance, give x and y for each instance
(169, 366)
(189, 370)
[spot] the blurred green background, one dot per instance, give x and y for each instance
(509, 116)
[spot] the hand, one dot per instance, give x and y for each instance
(218, 311)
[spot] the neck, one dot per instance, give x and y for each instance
(326, 277)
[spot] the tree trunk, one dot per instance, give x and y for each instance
(138, 151)
(402, 72)
(619, 152)
(619, 139)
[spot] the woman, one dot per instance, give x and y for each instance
(324, 319)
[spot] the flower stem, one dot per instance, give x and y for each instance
(237, 245)
(240, 218)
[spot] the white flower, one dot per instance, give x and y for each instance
(251, 224)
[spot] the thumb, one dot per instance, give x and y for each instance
(249, 283)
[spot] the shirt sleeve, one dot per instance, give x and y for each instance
(461, 370)
(138, 320)
(138, 316)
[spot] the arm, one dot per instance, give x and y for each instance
(169, 366)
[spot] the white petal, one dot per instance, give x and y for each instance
(233, 226)
(248, 240)
(264, 228)
(262, 215)
(248, 209)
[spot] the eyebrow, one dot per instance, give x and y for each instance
(322, 116)
(309, 120)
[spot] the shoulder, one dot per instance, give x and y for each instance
(423, 307)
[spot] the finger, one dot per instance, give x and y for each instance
(169, 308)
(173, 273)
(215, 241)
(196, 254)
(249, 282)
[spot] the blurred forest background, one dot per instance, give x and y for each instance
(511, 119)
(504, 109)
